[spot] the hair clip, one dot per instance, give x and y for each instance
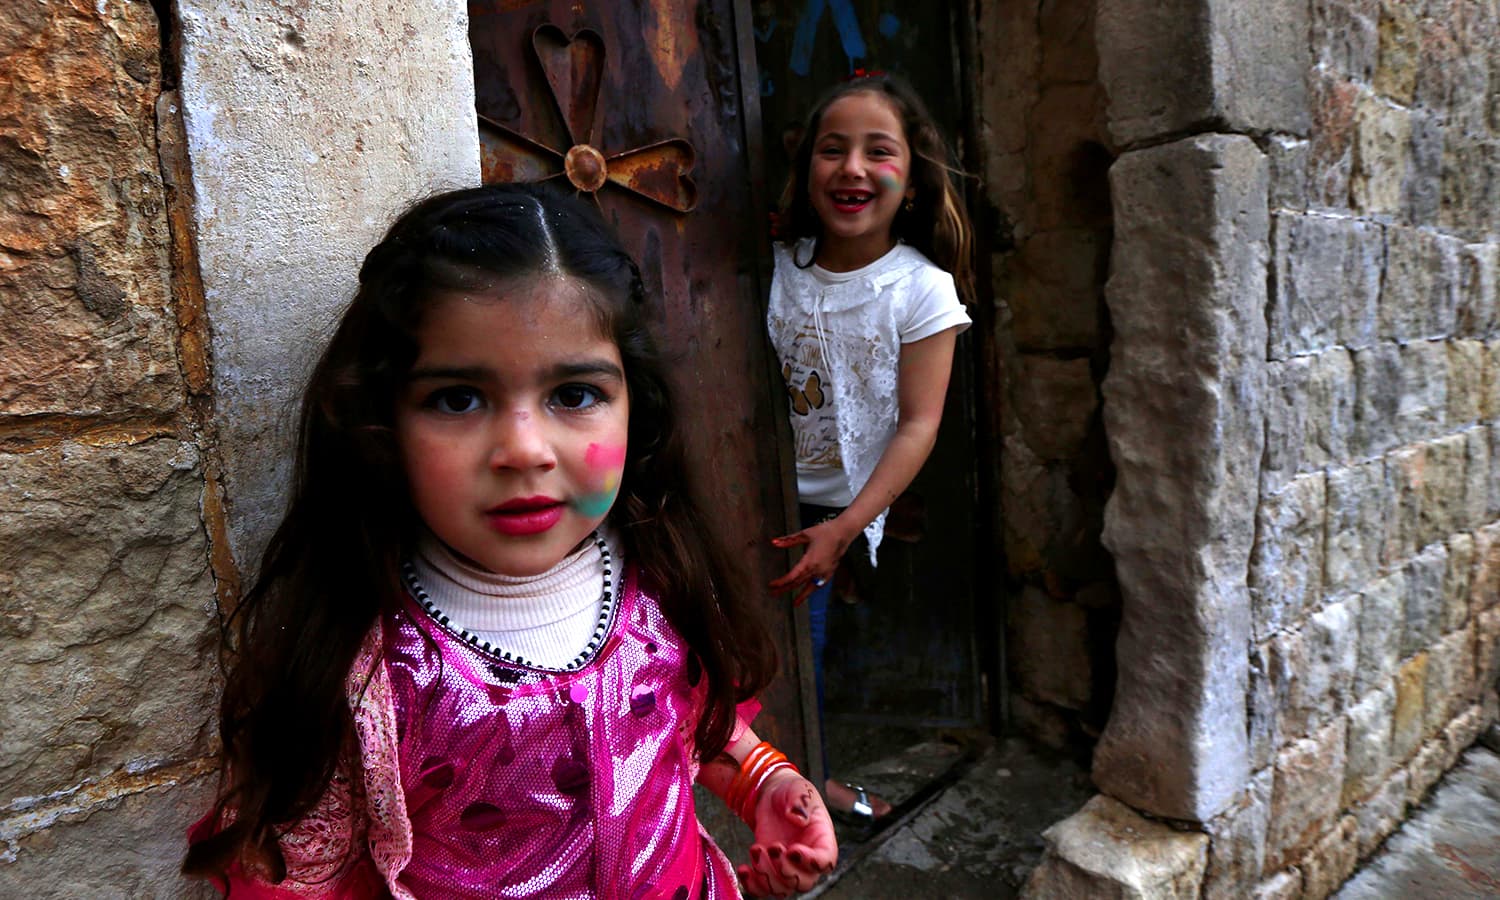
(865, 73)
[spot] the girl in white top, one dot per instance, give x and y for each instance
(873, 252)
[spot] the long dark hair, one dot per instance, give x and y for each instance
(937, 223)
(331, 567)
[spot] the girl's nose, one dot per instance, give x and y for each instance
(854, 164)
(521, 442)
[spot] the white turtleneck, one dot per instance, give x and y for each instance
(546, 619)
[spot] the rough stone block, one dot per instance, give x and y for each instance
(1313, 667)
(1486, 588)
(1332, 860)
(1381, 625)
(1442, 505)
(1466, 361)
(1461, 733)
(1426, 769)
(107, 613)
(1325, 283)
(1487, 649)
(1377, 376)
(1281, 886)
(1330, 408)
(1420, 296)
(1330, 156)
(1411, 692)
(1369, 758)
(1345, 37)
(1263, 707)
(1288, 159)
(1305, 794)
(1286, 564)
(89, 328)
(1489, 385)
(1494, 472)
(1186, 295)
(1286, 422)
(1479, 266)
(1458, 581)
(1406, 468)
(126, 845)
(1056, 401)
(1379, 815)
(1468, 185)
(1382, 150)
(1169, 67)
(1400, 30)
(1423, 403)
(1473, 502)
(1425, 604)
(1450, 680)
(1422, 193)
(1237, 850)
(1360, 500)
(1107, 850)
(1051, 649)
(1052, 286)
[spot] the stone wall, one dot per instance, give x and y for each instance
(1303, 407)
(183, 206)
(1046, 158)
(1376, 568)
(107, 616)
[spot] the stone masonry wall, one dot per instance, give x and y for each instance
(1375, 574)
(107, 609)
(1047, 154)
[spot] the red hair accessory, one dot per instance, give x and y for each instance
(865, 73)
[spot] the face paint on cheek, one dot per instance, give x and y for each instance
(889, 178)
(607, 463)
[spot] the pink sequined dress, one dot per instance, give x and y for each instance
(479, 777)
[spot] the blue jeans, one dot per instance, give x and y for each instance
(817, 622)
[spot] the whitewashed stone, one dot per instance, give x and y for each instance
(1381, 626)
(1107, 850)
(1286, 564)
(1305, 795)
(1377, 374)
(1360, 500)
(1369, 759)
(108, 625)
(1186, 296)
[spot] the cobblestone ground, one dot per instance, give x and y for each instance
(1450, 848)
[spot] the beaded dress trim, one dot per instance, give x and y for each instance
(596, 640)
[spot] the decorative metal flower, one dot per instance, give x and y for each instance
(574, 67)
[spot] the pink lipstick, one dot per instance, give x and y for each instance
(525, 515)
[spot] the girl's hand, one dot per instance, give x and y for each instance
(826, 543)
(794, 841)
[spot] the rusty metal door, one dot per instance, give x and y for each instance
(652, 109)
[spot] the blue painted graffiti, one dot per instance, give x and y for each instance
(844, 19)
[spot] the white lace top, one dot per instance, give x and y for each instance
(838, 338)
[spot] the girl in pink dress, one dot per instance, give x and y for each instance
(490, 647)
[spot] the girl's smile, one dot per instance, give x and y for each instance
(513, 394)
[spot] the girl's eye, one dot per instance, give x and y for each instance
(454, 400)
(577, 396)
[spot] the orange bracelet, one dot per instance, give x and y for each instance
(757, 766)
